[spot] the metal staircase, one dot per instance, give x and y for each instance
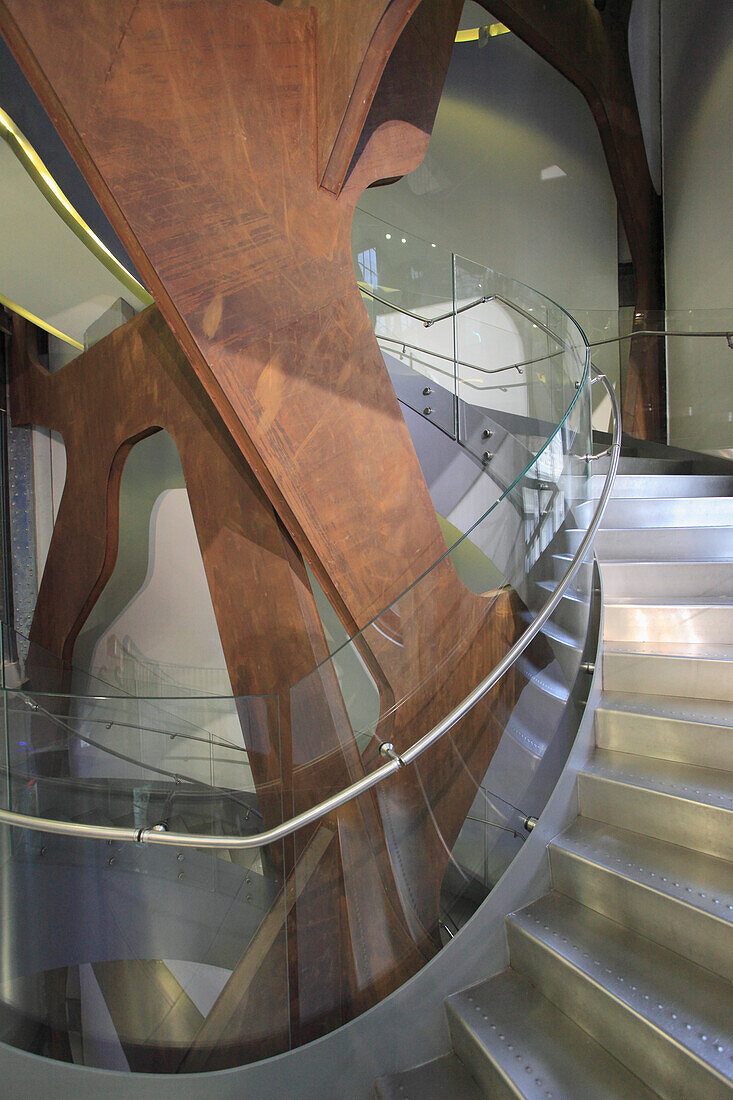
(621, 977)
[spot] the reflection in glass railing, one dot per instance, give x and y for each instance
(203, 959)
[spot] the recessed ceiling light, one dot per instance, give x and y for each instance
(404, 240)
(552, 172)
(388, 236)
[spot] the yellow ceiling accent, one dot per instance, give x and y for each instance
(475, 34)
(15, 308)
(45, 182)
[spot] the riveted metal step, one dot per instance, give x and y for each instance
(566, 646)
(571, 614)
(666, 580)
(693, 543)
(677, 897)
(706, 620)
(693, 669)
(442, 1079)
(690, 731)
(670, 511)
(659, 485)
(518, 1044)
(678, 803)
(669, 1020)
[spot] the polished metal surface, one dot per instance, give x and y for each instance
(693, 619)
(658, 485)
(667, 1019)
(634, 512)
(438, 1080)
(679, 803)
(692, 543)
(691, 731)
(516, 1043)
(677, 897)
(693, 669)
(667, 579)
(635, 941)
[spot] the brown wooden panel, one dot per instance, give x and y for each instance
(259, 286)
(201, 141)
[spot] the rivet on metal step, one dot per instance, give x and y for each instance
(589, 667)
(529, 823)
(427, 391)
(487, 456)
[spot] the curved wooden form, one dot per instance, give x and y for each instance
(591, 48)
(229, 157)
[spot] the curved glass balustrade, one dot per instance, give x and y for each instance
(179, 958)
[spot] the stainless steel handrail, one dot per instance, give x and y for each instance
(449, 358)
(617, 340)
(279, 832)
(429, 321)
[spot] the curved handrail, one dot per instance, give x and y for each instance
(157, 834)
(717, 335)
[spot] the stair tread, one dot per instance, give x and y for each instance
(535, 1046)
(687, 650)
(715, 712)
(692, 878)
(667, 602)
(442, 1079)
(685, 1002)
(708, 786)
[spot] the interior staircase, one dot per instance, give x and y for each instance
(621, 978)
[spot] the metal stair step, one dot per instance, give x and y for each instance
(674, 896)
(442, 1079)
(661, 485)
(679, 803)
(686, 668)
(669, 1020)
(660, 543)
(690, 731)
(673, 620)
(518, 1044)
(567, 647)
(670, 511)
(572, 612)
(667, 580)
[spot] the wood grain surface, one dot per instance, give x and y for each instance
(229, 157)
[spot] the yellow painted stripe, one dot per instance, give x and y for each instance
(45, 182)
(15, 308)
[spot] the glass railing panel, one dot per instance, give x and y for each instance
(122, 955)
(144, 959)
(449, 824)
(405, 280)
(694, 353)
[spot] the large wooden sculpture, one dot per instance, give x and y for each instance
(228, 142)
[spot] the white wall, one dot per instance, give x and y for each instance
(697, 83)
(504, 117)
